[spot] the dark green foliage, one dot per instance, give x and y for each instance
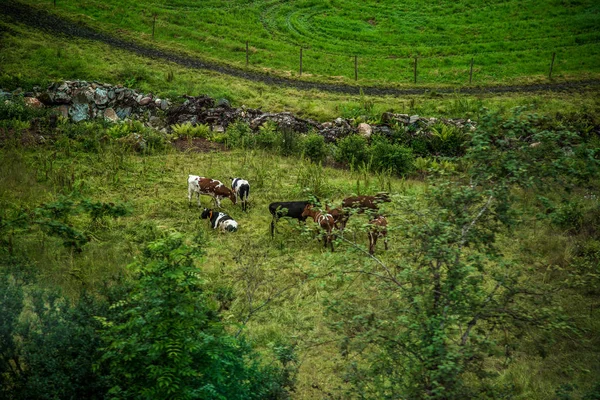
(11, 304)
(290, 142)
(386, 156)
(239, 135)
(60, 348)
(445, 299)
(446, 140)
(167, 340)
(314, 147)
(49, 351)
(16, 109)
(352, 150)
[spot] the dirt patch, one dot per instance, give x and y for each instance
(197, 145)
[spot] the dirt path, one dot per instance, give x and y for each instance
(23, 14)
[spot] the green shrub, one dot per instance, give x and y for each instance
(446, 141)
(393, 157)
(239, 135)
(352, 150)
(187, 130)
(313, 147)
(290, 142)
(181, 350)
(267, 137)
(16, 109)
(124, 129)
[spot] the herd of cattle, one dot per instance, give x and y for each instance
(327, 220)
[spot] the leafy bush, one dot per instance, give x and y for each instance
(446, 140)
(239, 135)
(393, 157)
(313, 147)
(267, 137)
(290, 142)
(187, 130)
(181, 350)
(125, 128)
(16, 109)
(57, 345)
(352, 150)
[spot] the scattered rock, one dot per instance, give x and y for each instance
(33, 102)
(64, 111)
(365, 130)
(111, 115)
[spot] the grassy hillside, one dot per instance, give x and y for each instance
(510, 42)
(279, 291)
(31, 58)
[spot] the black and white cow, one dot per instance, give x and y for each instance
(219, 220)
(241, 188)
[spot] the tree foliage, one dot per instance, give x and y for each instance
(438, 310)
(167, 341)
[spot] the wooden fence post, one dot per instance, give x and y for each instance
(551, 65)
(300, 60)
(355, 68)
(415, 69)
(471, 73)
(153, 25)
(246, 53)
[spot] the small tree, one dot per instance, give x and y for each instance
(440, 305)
(167, 340)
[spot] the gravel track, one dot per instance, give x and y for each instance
(35, 18)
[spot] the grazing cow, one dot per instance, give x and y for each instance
(291, 209)
(377, 229)
(324, 220)
(364, 203)
(219, 220)
(200, 185)
(340, 218)
(241, 188)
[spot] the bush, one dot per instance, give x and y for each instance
(290, 142)
(16, 109)
(187, 130)
(267, 137)
(393, 157)
(352, 150)
(181, 349)
(239, 135)
(446, 141)
(313, 147)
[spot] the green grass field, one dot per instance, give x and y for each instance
(31, 58)
(510, 42)
(291, 275)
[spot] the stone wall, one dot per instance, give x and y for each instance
(81, 100)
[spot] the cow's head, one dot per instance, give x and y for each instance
(307, 211)
(232, 197)
(206, 213)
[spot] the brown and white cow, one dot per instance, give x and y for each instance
(377, 229)
(324, 220)
(360, 204)
(200, 185)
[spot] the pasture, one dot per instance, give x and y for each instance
(509, 42)
(274, 291)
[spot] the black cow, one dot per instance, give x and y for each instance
(290, 209)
